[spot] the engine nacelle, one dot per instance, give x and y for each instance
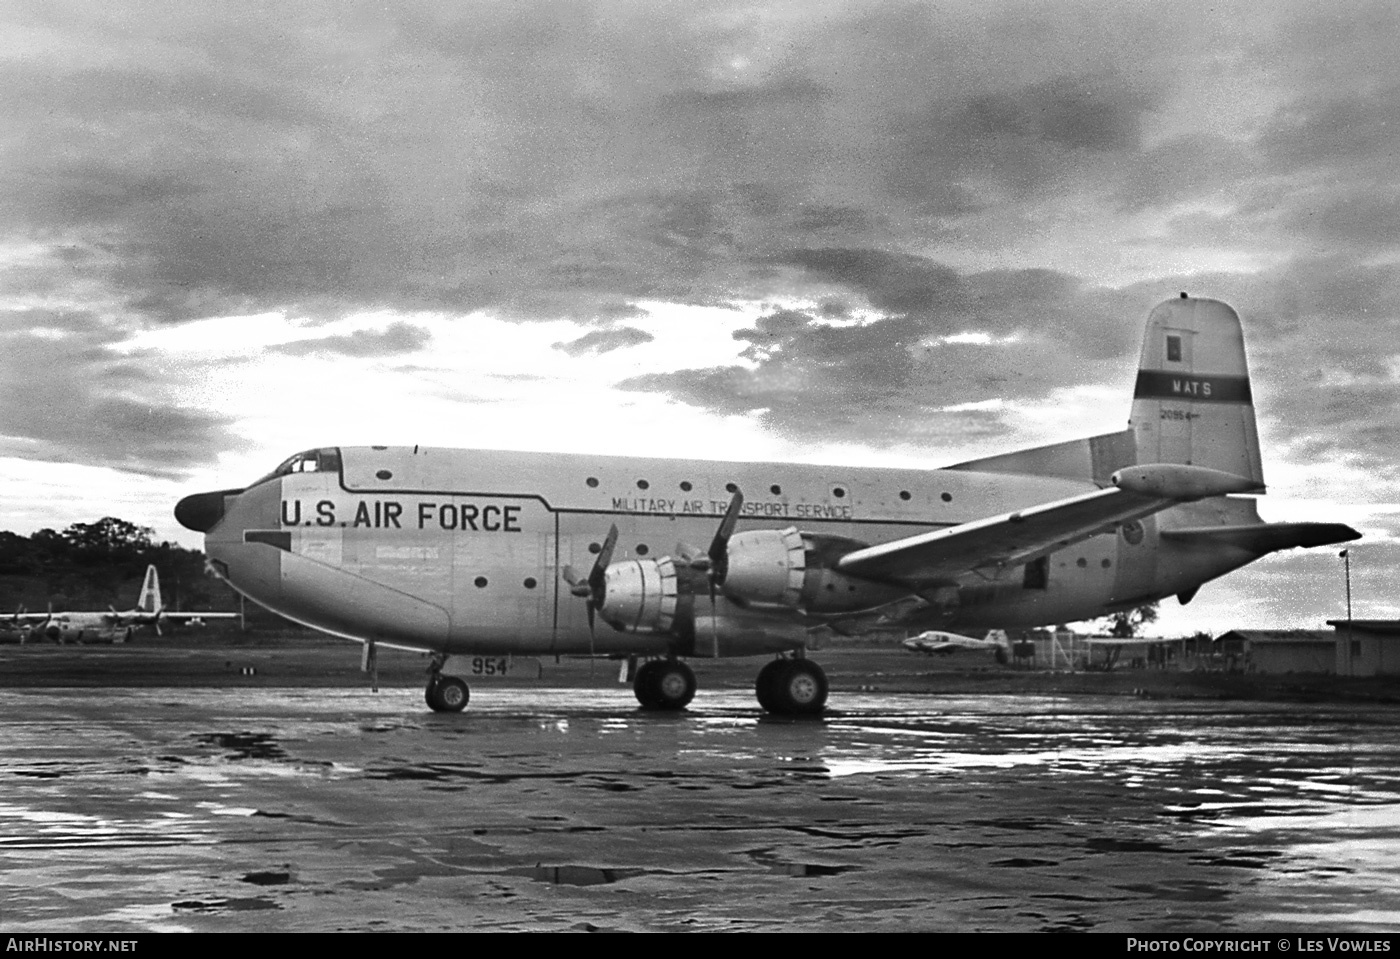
(742, 636)
(640, 595)
(788, 569)
(767, 566)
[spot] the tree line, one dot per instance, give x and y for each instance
(102, 564)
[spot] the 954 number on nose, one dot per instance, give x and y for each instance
(490, 665)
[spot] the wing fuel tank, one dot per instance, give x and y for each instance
(1180, 482)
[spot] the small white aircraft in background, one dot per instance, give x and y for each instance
(112, 626)
(936, 642)
(494, 553)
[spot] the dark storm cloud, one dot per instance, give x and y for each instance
(394, 339)
(892, 282)
(569, 159)
(605, 341)
(561, 161)
(65, 394)
(894, 378)
(1015, 142)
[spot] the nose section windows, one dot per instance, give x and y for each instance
(325, 460)
(202, 511)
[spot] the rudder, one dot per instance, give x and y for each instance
(1193, 403)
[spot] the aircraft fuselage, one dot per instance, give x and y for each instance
(462, 551)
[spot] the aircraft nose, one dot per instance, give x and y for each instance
(202, 511)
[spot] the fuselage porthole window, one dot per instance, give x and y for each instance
(685, 486)
(592, 482)
(384, 475)
(904, 495)
(642, 484)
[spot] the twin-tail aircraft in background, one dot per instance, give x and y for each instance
(112, 626)
(935, 642)
(501, 553)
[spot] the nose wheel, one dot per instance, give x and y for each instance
(445, 694)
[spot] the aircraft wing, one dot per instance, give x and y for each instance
(177, 617)
(995, 543)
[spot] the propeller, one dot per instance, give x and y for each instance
(715, 563)
(594, 588)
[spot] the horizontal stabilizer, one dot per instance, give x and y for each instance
(1264, 538)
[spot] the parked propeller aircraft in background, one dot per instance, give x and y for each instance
(934, 641)
(469, 551)
(109, 627)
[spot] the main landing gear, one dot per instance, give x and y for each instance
(792, 687)
(664, 684)
(445, 694)
(785, 687)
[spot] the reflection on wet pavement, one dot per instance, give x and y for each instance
(566, 809)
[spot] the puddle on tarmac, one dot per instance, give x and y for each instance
(243, 745)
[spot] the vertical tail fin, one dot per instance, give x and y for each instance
(149, 601)
(1193, 402)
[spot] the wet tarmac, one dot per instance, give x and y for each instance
(281, 809)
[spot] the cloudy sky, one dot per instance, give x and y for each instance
(902, 232)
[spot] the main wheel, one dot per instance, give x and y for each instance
(798, 689)
(667, 684)
(763, 685)
(642, 683)
(447, 694)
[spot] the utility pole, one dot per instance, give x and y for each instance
(1346, 559)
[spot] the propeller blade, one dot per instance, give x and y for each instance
(578, 587)
(714, 623)
(719, 548)
(594, 589)
(597, 579)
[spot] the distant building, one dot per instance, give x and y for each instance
(1367, 647)
(1283, 650)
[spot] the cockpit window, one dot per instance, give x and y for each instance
(325, 460)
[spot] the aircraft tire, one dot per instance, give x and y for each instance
(665, 684)
(798, 689)
(642, 683)
(447, 694)
(763, 685)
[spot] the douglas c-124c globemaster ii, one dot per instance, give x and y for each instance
(498, 553)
